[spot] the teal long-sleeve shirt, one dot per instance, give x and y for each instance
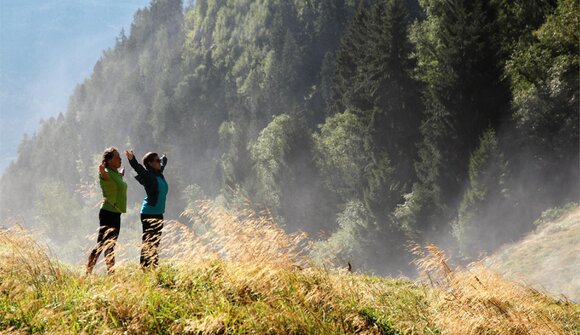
(159, 207)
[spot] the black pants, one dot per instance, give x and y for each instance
(152, 226)
(109, 226)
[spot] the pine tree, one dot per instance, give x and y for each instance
(483, 212)
(457, 46)
(374, 81)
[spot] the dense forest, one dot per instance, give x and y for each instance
(367, 124)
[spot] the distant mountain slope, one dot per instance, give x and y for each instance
(47, 49)
(548, 259)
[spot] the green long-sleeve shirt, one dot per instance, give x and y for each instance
(114, 192)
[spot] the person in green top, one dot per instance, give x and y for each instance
(114, 190)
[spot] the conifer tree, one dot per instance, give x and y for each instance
(374, 81)
(484, 210)
(464, 94)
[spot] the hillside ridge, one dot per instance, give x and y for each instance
(547, 258)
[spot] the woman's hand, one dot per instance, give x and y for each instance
(130, 155)
(102, 172)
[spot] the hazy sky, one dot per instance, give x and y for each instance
(46, 48)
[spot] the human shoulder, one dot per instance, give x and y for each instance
(112, 175)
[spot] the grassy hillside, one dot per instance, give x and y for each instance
(243, 275)
(549, 258)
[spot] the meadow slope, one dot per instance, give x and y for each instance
(548, 258)
(255, 279)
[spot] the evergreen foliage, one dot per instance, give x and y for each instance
(479, 217)
(464, 94)
(546, 89)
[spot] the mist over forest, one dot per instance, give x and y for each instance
(366, 124)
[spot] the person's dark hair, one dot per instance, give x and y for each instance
(148, 158)
(108, 154)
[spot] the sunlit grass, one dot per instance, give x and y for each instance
(547, 259)
(244, 275)
(477, 300)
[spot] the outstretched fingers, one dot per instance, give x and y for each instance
(129, 154)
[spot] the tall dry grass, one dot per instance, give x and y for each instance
(242, 275)
(238, 272)
(242, 236)
(477, 300)
(22, 257)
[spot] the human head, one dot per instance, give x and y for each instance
(151, 159)
(111, 158)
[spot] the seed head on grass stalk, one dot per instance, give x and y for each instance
(432, 264)
(22, 256)
(243, 236)
(477, 300)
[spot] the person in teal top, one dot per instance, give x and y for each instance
(114, 191)
(150, 175)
